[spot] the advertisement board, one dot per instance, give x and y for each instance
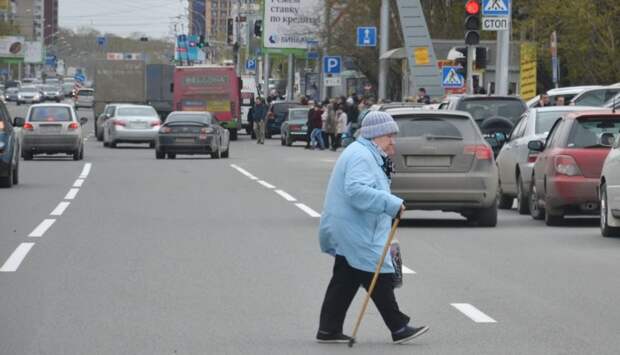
(528, 71)
(12, 47)
(291, 24)
(33, 53)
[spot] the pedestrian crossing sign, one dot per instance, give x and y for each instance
(496, 8)
(450, 78)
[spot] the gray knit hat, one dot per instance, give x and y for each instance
(377, 124)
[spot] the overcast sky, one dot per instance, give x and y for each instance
(122, 17)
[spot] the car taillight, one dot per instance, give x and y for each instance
(28, 126)
(531, 158)
(156, 123)
(165, 130)
(481, 151)
(566, 165)
(74, 125)
(119, 123)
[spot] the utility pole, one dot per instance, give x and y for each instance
(265, 88)
(384, 45)
(291, 77)
(325, 92)
(503, 58)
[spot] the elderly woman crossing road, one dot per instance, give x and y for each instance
(354, 227)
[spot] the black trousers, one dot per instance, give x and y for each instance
(342, 289)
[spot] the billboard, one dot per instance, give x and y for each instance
(12, 47)
(528, 71)
(292, 24)
(33, 53)
(4, 5)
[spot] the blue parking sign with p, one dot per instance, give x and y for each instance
(250, 64)
(332, 65)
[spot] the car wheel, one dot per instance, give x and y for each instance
(554, 217)
(152, 145)
(606, 229)
(82, 153)
(289, 141)
(27, 155)
(112, 144)
(16, 173)
(504, 202)
(7, 181)
(172, 156)
(536, 211)
(159, 155)
(523, 205)
(76, 154)
(485, 217)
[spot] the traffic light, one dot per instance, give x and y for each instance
(461, 62)
(258, 28)
(481, 58)
(230, 37)
(201, 42)
(472, 22)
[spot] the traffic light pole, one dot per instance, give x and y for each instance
(470, 69)
(503, 59)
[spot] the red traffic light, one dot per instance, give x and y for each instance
(472, 7)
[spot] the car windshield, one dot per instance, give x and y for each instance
(596, 97)
(436, 127)
(481, 109)
(587, 132)
(137, 111)
(50, 114)
(545, 120)
(85, 93)
(50, 88)
(298, 115)
(179, 117)
(29, 90)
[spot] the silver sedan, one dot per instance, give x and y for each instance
(131, 124)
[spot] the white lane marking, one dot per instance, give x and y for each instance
(60, 209)
(266, 184)
(286, 196)
(86, 170)
(243, 171)
(473, 313)
(13, 262)
(78, 183)
(312, 213)
(407, 270)
(42, 228)
(71, 194)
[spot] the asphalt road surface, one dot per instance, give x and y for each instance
(125, 254)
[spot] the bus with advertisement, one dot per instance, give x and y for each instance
(216, 89)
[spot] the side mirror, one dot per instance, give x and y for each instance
(83, 121)
(19, 122)
(536, 146)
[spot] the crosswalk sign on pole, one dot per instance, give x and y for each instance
(450, 78)
(496, 7)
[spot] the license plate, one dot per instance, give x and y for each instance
(50, 129)
(139, 125)
(428, 161)
(185, 140)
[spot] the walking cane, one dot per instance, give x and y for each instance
(374, 280)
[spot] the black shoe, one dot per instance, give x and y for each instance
(332, 338)
(408, 334)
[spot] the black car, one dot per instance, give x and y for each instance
(192, 133)
(495, 115)
(278, 113)
(9, 149)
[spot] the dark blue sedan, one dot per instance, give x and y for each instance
(9, 150)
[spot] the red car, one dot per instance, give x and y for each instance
(567, 172)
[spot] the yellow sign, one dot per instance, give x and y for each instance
(4, 5)
(528, 71)
(218, 106)
(421, 56)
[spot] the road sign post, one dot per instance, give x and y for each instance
(366, 36)
(332, 65)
